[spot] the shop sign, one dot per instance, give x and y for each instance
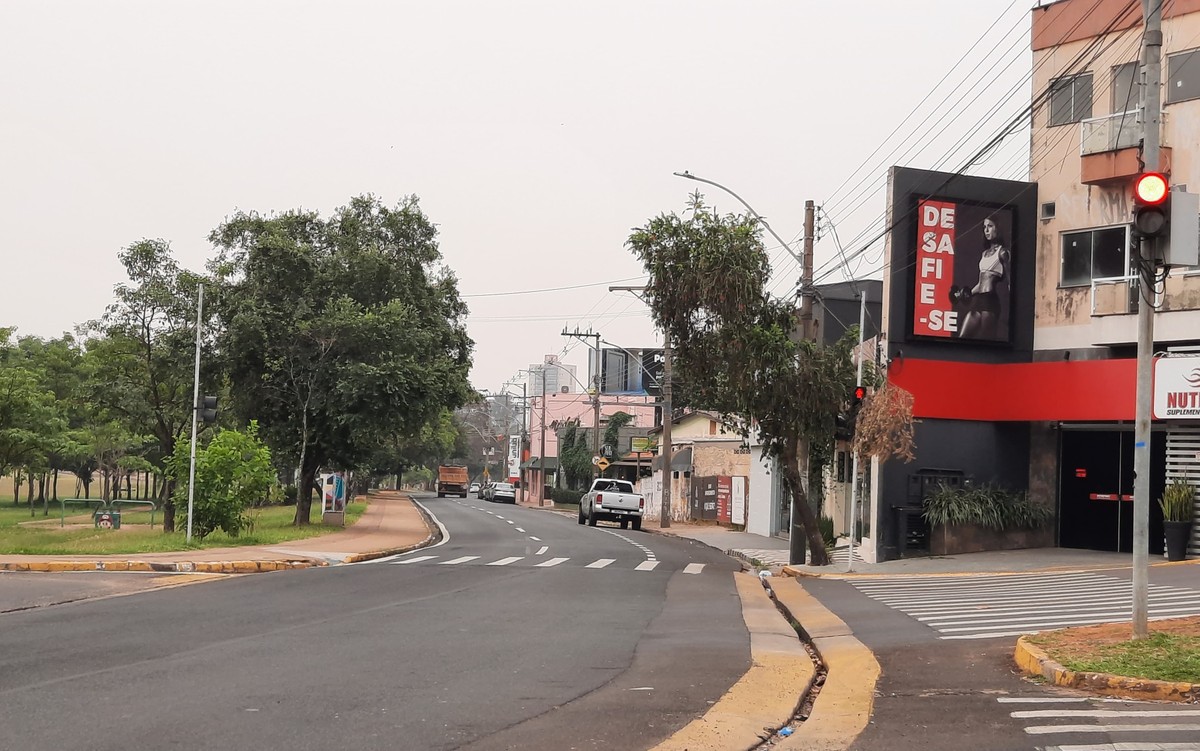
(1177, 388)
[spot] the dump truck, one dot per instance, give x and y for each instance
(452, 481)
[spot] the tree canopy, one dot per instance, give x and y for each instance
(735, 347)
(340, 333)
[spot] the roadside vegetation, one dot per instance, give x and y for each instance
(332, 343)
(269, 525)
(1170, 653)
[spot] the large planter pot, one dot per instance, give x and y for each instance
(1177, 534)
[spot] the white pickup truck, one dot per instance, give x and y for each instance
(612, 500)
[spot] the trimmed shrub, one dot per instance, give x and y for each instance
(988, 506)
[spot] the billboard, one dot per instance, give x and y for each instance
(514, 457)
(963, 271)
(631, 371)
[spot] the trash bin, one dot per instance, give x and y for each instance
(107, 518)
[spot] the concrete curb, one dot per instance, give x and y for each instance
(1067, 569)
(162, 567)
(765, 698)
(843, 708)
(1033, 660)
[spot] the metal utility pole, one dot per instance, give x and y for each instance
(1151, 134)
(796, 539)
(542, 450)
(664, 516)
(195, 416)
(862, 323)
(521, 445)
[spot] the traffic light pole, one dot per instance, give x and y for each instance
(862, 322)
(195, 416)
(1151, 133)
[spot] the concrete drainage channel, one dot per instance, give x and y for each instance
(779, 735)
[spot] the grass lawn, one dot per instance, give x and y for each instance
(1170, 653)
(272, 525)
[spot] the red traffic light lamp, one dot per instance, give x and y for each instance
(1151, 211)
(860, 393)
(1150, 189)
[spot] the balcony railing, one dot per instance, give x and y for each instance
(1120, 130)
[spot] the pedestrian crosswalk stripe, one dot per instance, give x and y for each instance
(506, 561)
(552, 562)
(987, 607)
(418, 559)
(542, 550)
(646, 566)
(1141, 725)
(693, 568)
(1129, 746)
(1044, 729)
(601, 563)
(1107, 714)
(464, 559)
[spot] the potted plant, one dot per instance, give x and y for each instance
(1178, 509)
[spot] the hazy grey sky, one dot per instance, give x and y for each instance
(536, 133)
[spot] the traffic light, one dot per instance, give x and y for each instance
(208, 409)
(847, 421)
(1151, 205)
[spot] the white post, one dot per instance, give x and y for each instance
(862, 320)
(195, 416)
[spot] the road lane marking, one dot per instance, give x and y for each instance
(418, 559)
(646, 566)
(1107, 714)
(464, 559)
(520, 530)
(506, 561)
(693, 568)
(552, 562)
(601, 563)
(535, 539)
(542, 550)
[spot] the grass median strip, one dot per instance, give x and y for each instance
(1170, 653)
(272, 525)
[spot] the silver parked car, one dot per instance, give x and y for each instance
(503, 492)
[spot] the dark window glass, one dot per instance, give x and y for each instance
(1125, 91)
(1183, 76)
(1071, 99)
(1108, 253)
(1076, 258)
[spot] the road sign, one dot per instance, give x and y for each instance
(596, 460)
(602, 464)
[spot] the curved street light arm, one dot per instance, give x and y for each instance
(753, 213)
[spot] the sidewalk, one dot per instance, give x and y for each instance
(391, 524)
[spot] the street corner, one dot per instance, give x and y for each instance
(1036, 662)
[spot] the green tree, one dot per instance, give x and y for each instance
(574, 455)
(29, 419)
(735, 346)
(341, 333)
(233, 473)
(143, 348)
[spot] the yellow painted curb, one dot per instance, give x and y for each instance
(843, 708)
(1034, 660)
(766, 696)
(170, 567)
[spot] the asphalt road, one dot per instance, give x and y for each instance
(604, 649)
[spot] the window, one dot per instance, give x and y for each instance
(1071, 99)
(1126, 94)
(1183, 76)
(1048, 210)
(1094, 254)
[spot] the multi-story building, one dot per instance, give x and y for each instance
(1010, 309)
